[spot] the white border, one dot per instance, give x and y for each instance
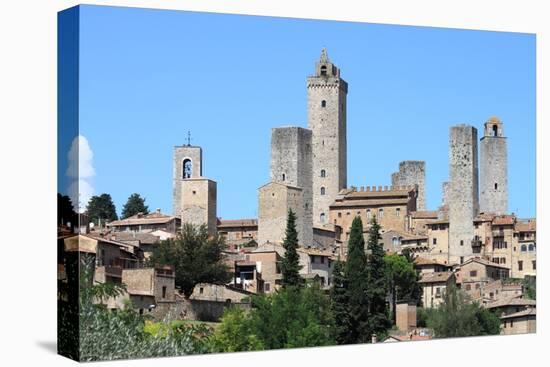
(28, 151)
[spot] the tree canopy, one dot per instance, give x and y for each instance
(402, 280)
(101, 209)
(65, 210)
(339, 304)
(290, 265)
(134, 205)
(197, 257)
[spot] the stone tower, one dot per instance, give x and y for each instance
(412, 173)
(463, 199)
(326, 99)
(194, 197)
(493, 173)
(291, 164)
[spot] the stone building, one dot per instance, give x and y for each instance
(434, 286)
(194, 196)
(239, 233)
(463, 198)
(291, 164)
(149, 286)
(474, 274)
(274, 201)
(326, 99)
(147, 223)
(390, 206)
(412, 173)
(493, 174)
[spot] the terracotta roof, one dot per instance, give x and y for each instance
(528, 312)
(237, 223)
(143, 238)
(151, 218)
(439, 221)
(484, 262)
(526, 226)
(436, 277)
(512, 301)
(355, 203)
(504, 220)
(484, 217)
(424, 261)
(378, 193)
(317, 252)
(424, 214)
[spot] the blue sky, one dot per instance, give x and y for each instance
(149, 76)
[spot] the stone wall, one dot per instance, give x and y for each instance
(199, 202)
(412, 173)
(463, 191)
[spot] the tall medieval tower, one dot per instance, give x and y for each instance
(326, 99)
(493, 173)
(463, 197)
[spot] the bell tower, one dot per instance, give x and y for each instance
(326, 99)
(494, 169)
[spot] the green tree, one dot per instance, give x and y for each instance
(357, 279)
(134, 205)
(290, 318)
(197, 257)
(290, 265)
(104, 291)
(456, 316)
(339, 304)
(65, 210)
(402, 280)
(379, 322)
(101, 209)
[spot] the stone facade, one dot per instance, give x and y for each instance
(291, 164)
(274, 201)
(493, 160)
(327, 94)
(184, 155)
(412, 173)
(463, 191)
(199, 197)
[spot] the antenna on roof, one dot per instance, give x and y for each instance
(188, 138)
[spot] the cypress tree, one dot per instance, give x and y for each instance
(339, 304)
(290, 265)
(379, 321)
(355, 270)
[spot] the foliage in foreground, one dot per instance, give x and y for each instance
(290, 265)
(457, 317)
(197, 257)
(290, 318)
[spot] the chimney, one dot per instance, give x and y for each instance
(158, 210)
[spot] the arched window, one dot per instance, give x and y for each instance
(187, 168)
(368, 214)
(531, 247)
(323, 173)
(523, 248)
(322, 191)
(324, 70)
(380, 213)
(495, 130)
(323, 103)
(284, 176)
(395, 241)
(322, 217)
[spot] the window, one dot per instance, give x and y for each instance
(323, 173)
(496, 186)
(395, 241)
(322, 191)
(380, 213)
(477, 285)
(266, 287)
(434, 241)
(438, 291)
(201, 290)
(468, 287)
(368, 214)
(397, 212)
(187, 168)
(323, 103)
(473, 273)
(163, 291)
(523, 248)
(495, 130)
(511, 323)
(520, 265)
(339, 215)
(323, 70)
(322, 217)
(313, 259)
(534, 264)
(531, 247)
(322, 259)
(462, 259)
(194, 192)
(461, 242)
(503, 260)
(284, 176)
